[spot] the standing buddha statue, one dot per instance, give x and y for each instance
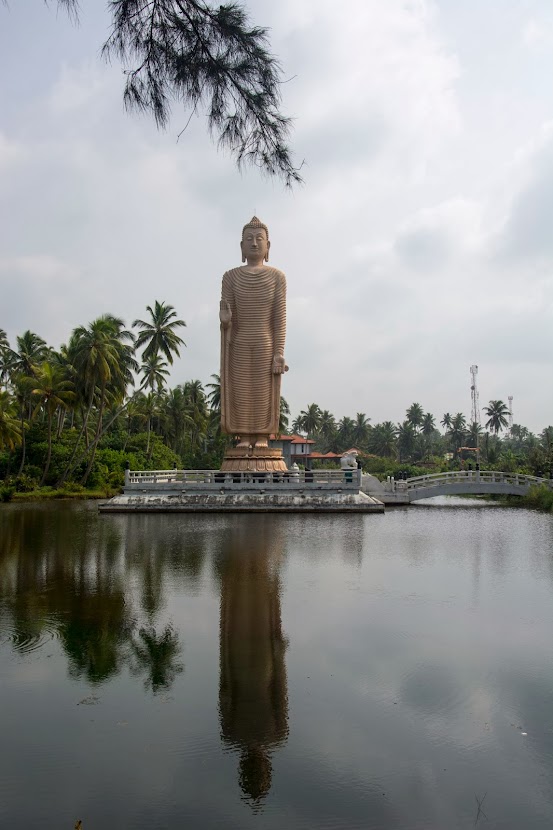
(253, 331)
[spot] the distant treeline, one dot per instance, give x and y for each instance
(72, 418)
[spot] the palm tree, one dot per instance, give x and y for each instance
(196, 410)
(4, 356)
(446, 421)
(23, 363)
(458, 430)
(327, 431)
(284, 417)
(473, 435)
(103, 357)
(406, 435)
(177, 419)
(31, 351)
(114, 373)
(95, 353)
(309, 419)
(10, 429)
(519, 433)
(297, 424)
(150, 407)
(383, 440)
(428, 428)
(214, 397)
(20, 387)
(159, 333)
(415, 415)
(345, 432)
(498, 414)
(361, 429)
(63, 360)
(53, 390)
(154, 372)
(134, 413)
(428, 424)
(546, 439)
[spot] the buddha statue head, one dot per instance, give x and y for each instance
(255, 242)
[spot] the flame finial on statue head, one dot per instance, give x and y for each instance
(255, 223)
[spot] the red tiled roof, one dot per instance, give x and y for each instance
(294, 438)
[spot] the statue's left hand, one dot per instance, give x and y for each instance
(279, 365)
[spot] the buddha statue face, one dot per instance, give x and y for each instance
(255, 245)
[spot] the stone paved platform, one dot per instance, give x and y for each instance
(242, 502)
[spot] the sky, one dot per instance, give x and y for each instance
(421, 242)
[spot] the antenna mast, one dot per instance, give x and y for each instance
(475, 414)
(510, 399)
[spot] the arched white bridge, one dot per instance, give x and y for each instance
(463, 482)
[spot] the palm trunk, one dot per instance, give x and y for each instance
(61, 422)
(97, 435)
(68, 470)
(49, 456)
(104, 430)
(126, 441)
(23, 443)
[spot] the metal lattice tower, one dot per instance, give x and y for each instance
(510, 399)
(475, 414)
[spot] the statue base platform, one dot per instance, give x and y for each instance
(250, 491)
(255, 460)
(242, 502)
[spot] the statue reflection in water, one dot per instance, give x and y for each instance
(253, 702)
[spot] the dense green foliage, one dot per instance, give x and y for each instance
(387, 447)
(539, 497)
(74, 418)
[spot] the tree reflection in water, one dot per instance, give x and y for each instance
(156, 657)
(253, 702)
(100, 588)
(64, 574)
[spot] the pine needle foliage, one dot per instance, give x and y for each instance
(208, 58)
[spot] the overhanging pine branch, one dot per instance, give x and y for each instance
(188, 52)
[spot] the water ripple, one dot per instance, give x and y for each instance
(27, 641)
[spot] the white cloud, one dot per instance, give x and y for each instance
(537, 33)
(11, 153)
(391, 249)
(77, 90)
(526, 233)
(44, 295)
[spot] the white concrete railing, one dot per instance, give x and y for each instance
(472, 477)
(215, 479)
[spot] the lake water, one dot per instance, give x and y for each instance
(378, 671)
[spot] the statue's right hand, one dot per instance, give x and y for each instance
(225, 313)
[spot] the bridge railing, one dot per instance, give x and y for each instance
(215, 479)
(474, 476)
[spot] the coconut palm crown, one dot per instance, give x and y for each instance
(158, 334)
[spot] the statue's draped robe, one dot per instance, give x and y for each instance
(250, 391)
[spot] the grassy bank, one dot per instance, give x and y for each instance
(8, 494)
(540, 498)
